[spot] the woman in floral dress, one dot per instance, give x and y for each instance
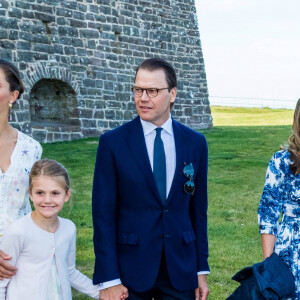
(18, 152)
(281, 200)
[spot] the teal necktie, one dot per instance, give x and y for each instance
(159, 165)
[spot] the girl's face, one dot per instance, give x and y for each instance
(6, 96)
(48, 195)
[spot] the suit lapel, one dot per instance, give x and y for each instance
(137, 145)
(181, 145)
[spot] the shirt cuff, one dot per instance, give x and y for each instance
(109, 284)
(203, 273)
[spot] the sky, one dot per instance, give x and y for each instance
(251, 50)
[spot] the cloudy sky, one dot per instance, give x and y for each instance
(251, 47)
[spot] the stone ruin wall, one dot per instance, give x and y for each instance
(78, 59)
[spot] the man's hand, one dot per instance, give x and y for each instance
(201, 293)
(117, 292)
(6, 269)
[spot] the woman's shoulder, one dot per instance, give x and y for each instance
(28, 144)
(282, 155)
(281, 161)
(24, 138)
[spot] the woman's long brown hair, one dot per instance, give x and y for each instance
(294, 141)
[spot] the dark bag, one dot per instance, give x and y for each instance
(267, 280)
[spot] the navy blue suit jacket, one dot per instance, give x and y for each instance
(132, 226)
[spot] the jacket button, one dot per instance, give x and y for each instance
(161, 236)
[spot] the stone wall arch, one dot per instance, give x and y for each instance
(52, 98)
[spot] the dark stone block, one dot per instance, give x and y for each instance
(13, 35)
(78, 15)
(15, 13)
(105, 10)
(64, 12)
(44, 48)
(110, 114)
(7, 45)
(90, 132)
(103, 124)
(4, 4)
(78, 24)
(43, 9)
(28, 14)
(99, 114)
(67, 31)
(64, 40)
(77, 42)
(39, 135)
(94, 9)
(89, 33)
(70, 4)
(82, 7)
(42, 39)
(41, 56)
(114, 124)
(26, 36)
(44, 17)
(8, 23)
(58, 49)
(88, 123)
(90, 17)
(3, 34)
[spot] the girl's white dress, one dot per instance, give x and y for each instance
(33, 251)
(14, 198)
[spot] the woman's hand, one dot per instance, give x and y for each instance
(6, 269)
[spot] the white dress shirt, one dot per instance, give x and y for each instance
(167, 136)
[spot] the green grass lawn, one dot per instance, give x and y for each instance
(238, 157)
(241, 116)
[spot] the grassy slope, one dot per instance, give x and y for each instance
(241, 116)
(237, 165)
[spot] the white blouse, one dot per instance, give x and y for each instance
(14, 198)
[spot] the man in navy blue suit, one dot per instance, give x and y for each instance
(150, 199)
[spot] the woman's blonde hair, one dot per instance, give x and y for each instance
(294, 141)
(51, 168)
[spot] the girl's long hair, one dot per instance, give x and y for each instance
(294, 141)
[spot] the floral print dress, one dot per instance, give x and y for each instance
(14, 198)
(281, 200)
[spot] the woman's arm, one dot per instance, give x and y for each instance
(6, 270)
(268, 242)
(271, 204)
(11, 243)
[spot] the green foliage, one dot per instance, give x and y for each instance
(238, 158)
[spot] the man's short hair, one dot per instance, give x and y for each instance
(154, 64)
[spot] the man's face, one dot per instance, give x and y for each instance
(155, 110)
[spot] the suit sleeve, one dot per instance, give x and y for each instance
(199, 209)
(104, 206)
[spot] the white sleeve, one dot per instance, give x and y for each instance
(79, 281)
(108, 284)
(12, 244)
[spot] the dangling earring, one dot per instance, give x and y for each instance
(10, 114)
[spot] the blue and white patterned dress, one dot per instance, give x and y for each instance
(281, 196)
